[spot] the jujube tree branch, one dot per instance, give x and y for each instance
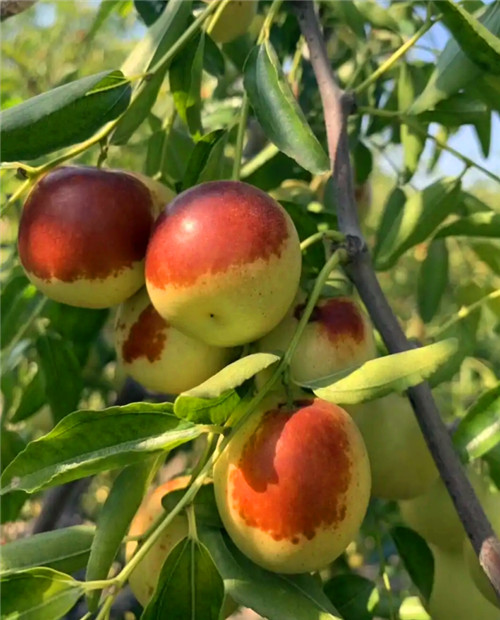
(337, 106)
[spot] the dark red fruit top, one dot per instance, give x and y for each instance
(84, 223)
(211, 227)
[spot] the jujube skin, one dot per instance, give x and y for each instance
(292, 487)
(338, 335)
(157, 355)
(401, 464)
(454, 595)
(83, 234)
(234, 20)
(223, 263)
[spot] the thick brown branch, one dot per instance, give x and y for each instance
(9, 8)
(360, 269)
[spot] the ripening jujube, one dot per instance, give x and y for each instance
(338, 335)
(433, 514)
(223, 263)
(84, 231)
(454, 595)
(292, 486)
(144, 578)
(159, 356)
(234, 20)
(402, 466)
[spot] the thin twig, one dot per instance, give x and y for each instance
(361, 272)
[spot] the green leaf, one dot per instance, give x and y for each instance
(363, 162)
(205, 507)
(352, 17)
(392, 210)
(482, 224)
(376, 15)
(66, 550)
(158, 40)
(460, 109)
(464, 332)
(422, 214)
(185, 84)
(11, 443)
(487, 88)
(417, 558)
(352, 595)
(81, 326)
(392, 373)
(114, 520)
(19, 300)
(432, 279)
(206, 159)
(493, 460)
(482, 47)
(168, 154)
(11, 506)
(454, 70)
(87, 442)
(150, 10)
(213, 60)
(103, 12)
(207, 410)
(488, 252)
(482, 127)
(278, 111)
(60, 374)
(33, 398)
(62, 116)
(38, 594)
(233, 375)
(189, 585)
(271, 595)
(413, 142)
(479, 430)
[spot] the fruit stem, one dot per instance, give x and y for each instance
(240, 138)
(464, 312)
(335, 235)
(215, 18)
(191, 517)
(265, 31)
(25, 185)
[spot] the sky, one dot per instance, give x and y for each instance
(465, 140)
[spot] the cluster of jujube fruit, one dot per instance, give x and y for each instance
(221, 264)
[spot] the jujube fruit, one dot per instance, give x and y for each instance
(83, 235)
(223, 263)
(159, 356)
(144, 578)
(338, 335)
(234, 20)
(402, 466)
(433, 514)
(454, 595)
(292, 487)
